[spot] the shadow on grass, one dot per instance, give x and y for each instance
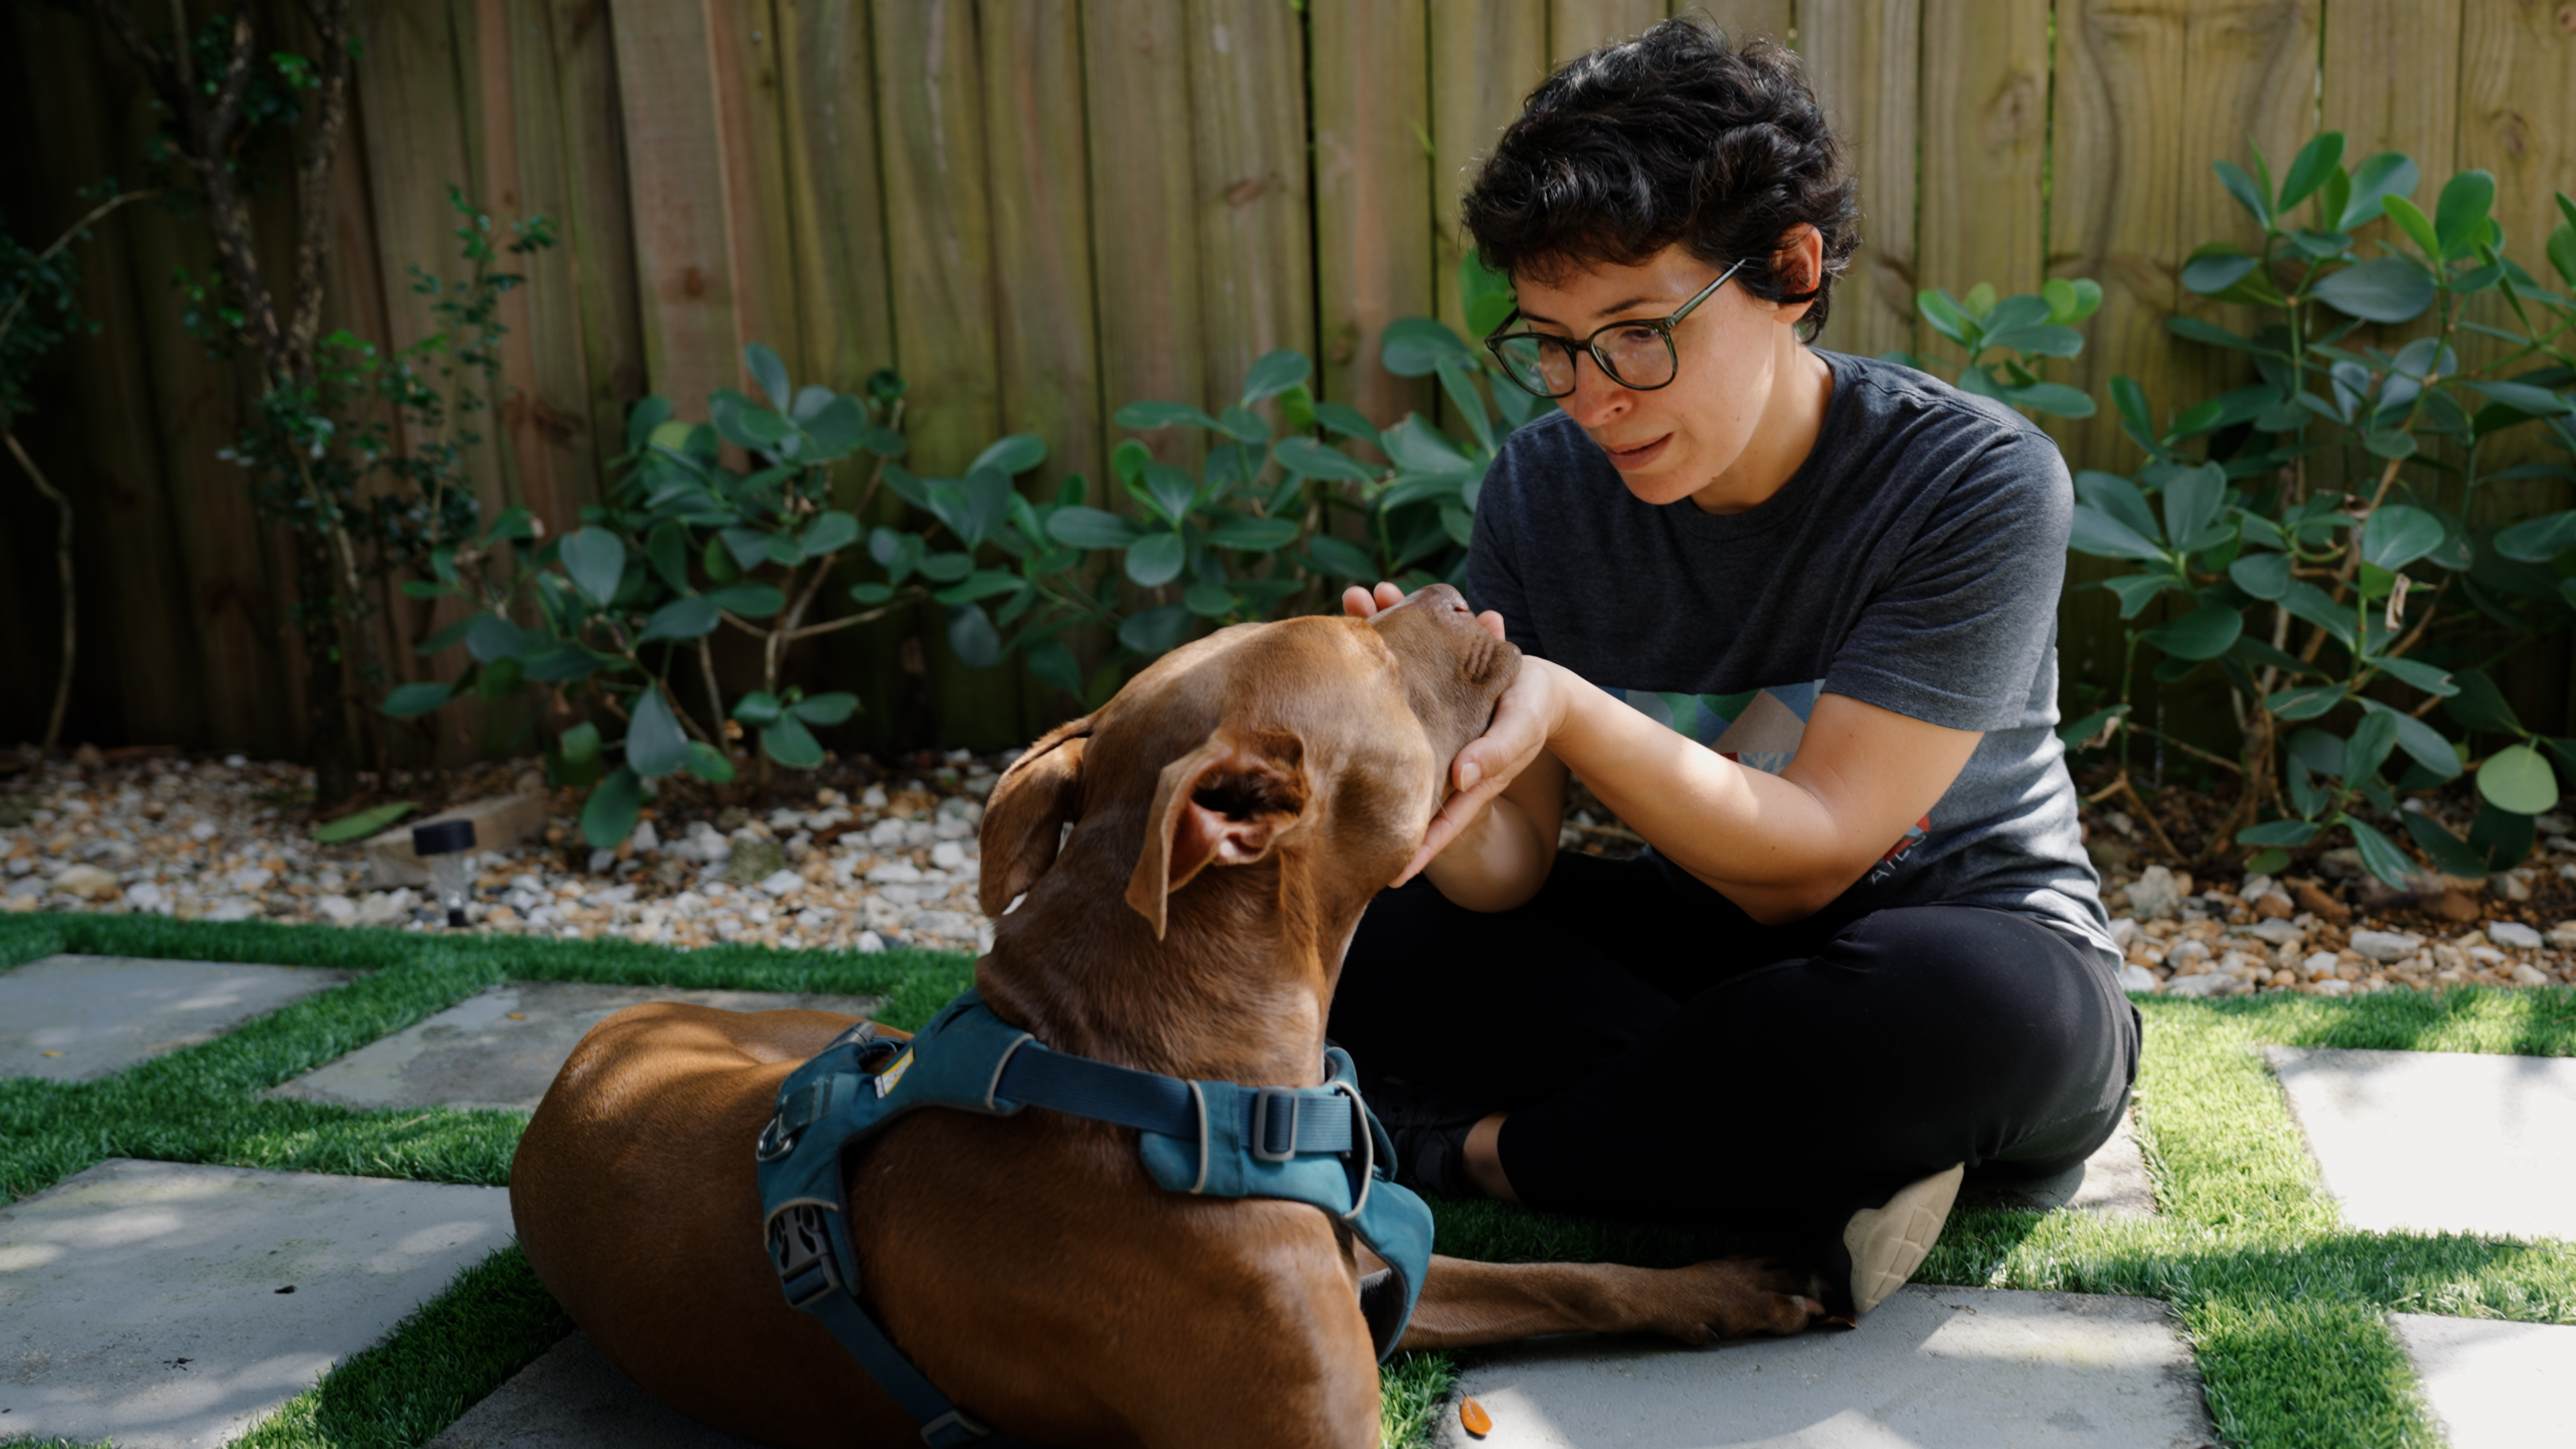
(2538, 1021)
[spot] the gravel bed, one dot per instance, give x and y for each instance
(846, 866)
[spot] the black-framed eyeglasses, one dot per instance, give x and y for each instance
(1634, 354)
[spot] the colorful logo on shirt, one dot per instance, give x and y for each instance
(1760, 729)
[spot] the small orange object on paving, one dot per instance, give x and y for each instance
(1473, 1418)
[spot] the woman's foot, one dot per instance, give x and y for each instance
(1430, 1134)
(1888, 1242)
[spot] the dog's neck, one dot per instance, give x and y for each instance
(1237, 990)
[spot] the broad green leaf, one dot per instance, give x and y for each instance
(1084, 527)
(748, 601)
(2397, 535)
(824, 709)
(647, 418)
(2538, 540)
(2374, 736)
(1308, 458)
(363, 824)
(2247, 193)
(979, 585)
(2410, 219)
(1156, 631)
(2383, 289)
(758, 708)
(2204, 633)
(2216, 268)
(2075, 735)
(2307, 601)
(2279, 832)
(2308, 171)
(1417, 448)
(2419, 740)
(2120, 498)
(2502, 838)
(490, 638)
(830, 532)
(947, 568)
(2305, 701)
(611, 810)
(688, 618)
(1155, 559)
(2377, 178)
(2480, 705)
(1341, 559)
(2055, 399)
(501, 678)
(1943, 313)
(2423, 676)
(1347, 421)
(1273, 374)
(409, 701)
(2136, 591)
(1209, 601)
(2449, 853)
(1146, 416)
(579, 745)
(2264, 575)
(2516, 778)
(595, 559)
(1413, 346)
(791, 744)
(2195, 507)
(655, 745)
(1171, 490)
(770, 373)
(1054, 664)
(1012, 455)
(709, 764)
(2103, 536)
(1244, 425)
(1254, 535)
(2382, 858)
(2540, 402)
(668, 549)
(2460, 214)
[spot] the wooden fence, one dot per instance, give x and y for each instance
(1040, 209)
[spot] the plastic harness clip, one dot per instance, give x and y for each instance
(1274, 1124)
(801, 1252)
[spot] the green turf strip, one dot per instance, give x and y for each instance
(2283, 1305)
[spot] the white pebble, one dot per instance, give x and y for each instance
(646, 837)
(948, 855)
(2527, 974)
(251, 878)
(782, 882)
(2320, 964)
(232, 910)
(2386, 945)
(873, 798)
(2334, 986)
(338, 910)
(2138, 978)
(202, 831)
(143, 895)
(869, 941)
(895, 872)
(2515, 935)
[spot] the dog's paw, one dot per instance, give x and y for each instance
(1734, 1298)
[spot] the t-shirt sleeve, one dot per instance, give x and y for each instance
(1493, 555)
(1951, 635)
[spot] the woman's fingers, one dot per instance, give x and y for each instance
(1388, 595)
(1358, 603)
(1522, 720)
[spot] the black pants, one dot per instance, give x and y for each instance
(1662, 1055)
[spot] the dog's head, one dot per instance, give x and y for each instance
(1324, 738)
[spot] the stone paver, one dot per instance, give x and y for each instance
(2114, 1184)
(572, 1397)
(73, 1018)
(2494, 1385)
(149, 1302)
(2440, 1141)
(1931, 1368)
(503, 1046)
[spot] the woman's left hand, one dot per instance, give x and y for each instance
(1526, 716)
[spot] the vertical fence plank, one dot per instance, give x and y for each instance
(93, 431)
(1985, 145)
(1144, 243)
(1486, 56)
(1864, 57)
(1575, 26)
(940, 239)
(1247, 86)
(1042, 231)
(743, 55)
(675, 184)
(578, 66)
(2518, 121)
(1372, 194)
(2392, 78)
(837, 195)
(2249, 83)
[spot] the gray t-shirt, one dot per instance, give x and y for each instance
(1912, 562)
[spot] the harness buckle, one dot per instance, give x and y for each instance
(1274, 1123)
(953, 1427)
(775, 1142)
(801, 1252)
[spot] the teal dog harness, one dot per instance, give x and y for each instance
(1318, 1145)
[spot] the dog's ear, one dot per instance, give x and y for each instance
(1228, 802)
(1024, 821)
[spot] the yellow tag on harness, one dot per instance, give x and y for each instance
(893, 1073)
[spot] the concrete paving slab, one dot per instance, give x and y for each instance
(1931, 1368)
(74, 1018)
(572, 1397)
(2440, 1141)
(149, 1301)
(2494, 1385)
(2113, 1184)
(503, 1046)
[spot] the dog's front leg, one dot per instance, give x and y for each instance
(1465, 1302)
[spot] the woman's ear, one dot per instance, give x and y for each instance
(1799, 266)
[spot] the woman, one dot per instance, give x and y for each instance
(1792, 615)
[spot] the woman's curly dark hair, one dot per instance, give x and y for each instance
(1675, 136)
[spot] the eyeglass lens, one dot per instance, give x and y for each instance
(1633, 356)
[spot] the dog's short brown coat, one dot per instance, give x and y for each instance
(1232, 811)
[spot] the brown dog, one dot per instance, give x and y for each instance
(1233, 810)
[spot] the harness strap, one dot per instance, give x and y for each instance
(943, 1424)
(1275, 1122)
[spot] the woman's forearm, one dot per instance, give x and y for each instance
(1501, 860)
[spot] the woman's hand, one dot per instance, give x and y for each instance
(1528, 713)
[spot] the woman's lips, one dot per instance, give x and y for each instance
(1637, 457)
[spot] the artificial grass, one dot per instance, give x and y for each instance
(2283, 1305)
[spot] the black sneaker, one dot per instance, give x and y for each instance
(1430, 1136)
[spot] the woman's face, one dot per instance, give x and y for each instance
(1690, 439)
